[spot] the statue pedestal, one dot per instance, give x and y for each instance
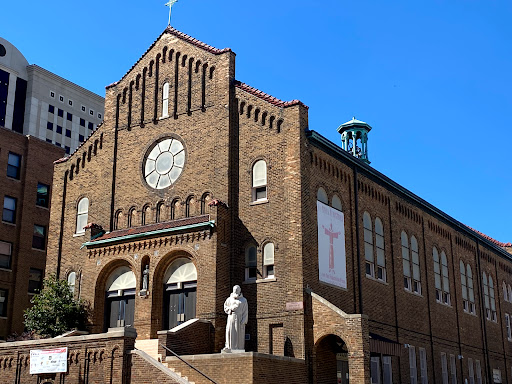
(227, 350)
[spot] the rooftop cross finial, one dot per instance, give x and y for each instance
(169, 4)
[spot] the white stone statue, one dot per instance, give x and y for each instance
(236, 308)
(145, 278)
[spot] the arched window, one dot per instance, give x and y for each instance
(159, 211)
(468, 295)
(321, 196)
(118, 220)
(82, 215)
(251, 269)
(72, 281)
(131, 217)
(165, 100)
(145, 215)
(189, 206)
(489, 299)
(259, 181)
(509, 293)
(120, 303)
(505, 292)
(368, 244)
(336, 203)
(174, 209)
(442, 282)
(379, 248)
(268, 260)
(411, 264)
(205, 200)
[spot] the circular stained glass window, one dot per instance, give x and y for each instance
(164, 163)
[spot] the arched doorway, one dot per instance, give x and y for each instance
(180, 291)
(120, 298)
(331, 361)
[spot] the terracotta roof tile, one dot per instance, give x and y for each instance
(494, 241)
(189, 39)
(153, 227)
(268, 98)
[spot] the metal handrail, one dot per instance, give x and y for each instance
(190, 365)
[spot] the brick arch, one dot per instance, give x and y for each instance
(100, 283)
(157, 273)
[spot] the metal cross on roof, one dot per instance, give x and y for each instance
(169, 4)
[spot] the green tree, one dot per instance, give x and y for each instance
(55, 310)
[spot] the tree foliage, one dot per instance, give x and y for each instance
(55, 310)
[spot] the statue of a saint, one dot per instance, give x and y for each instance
(145, 278)
(236, 308)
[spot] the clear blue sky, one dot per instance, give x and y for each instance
(433, 78)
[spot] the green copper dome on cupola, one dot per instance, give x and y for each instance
(354, 138)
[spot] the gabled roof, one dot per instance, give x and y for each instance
(265, 96)
(189, 39)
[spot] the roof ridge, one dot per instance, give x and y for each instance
(180, 35)
(265, 96)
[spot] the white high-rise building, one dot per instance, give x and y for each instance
(36, 102)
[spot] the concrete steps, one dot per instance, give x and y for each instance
(150, 347)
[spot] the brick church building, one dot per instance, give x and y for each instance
(196, 182)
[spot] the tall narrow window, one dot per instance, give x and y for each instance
(368, 245)
(118, 222)
(453, 369)
(507, 324)
(160, 212)
(387, 370)
(471, 371)
(478, 369)
(189, 206)
(145, 217)
(250, 263)
(468, 295)
(5, 255)
(444, 368)
(165, 100)
(423, 366)
(379, 248)
(489, 299)
(505, 292)
(411, 264)
(442, 282)
(412, 365)
(259, 181)
(509, 289)
(82, 215)
(268, 260)
(131, 217)
(336, 203)
(72, 281)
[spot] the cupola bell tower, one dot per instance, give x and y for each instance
(354, 138)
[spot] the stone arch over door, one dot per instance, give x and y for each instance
(161, 282)
(101, 289)
(331, 364)
(332, 325)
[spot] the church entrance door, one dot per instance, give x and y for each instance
(181, 304)
(180, 292)
(120, 298)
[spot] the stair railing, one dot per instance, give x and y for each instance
(190, 365)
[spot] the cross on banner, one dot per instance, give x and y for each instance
(169, 4)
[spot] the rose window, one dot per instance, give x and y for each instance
(164, 163)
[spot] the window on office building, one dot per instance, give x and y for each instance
(59, 129)
(69, 116)
(35, 280)
(5, 254)
(82, 122)
(39, 237)
(51, 108)
(68, 133)
(49, 126)
(9, 211)
(14, 165)
(60, 113)
(43, 198)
